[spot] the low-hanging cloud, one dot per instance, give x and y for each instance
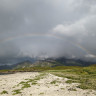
(51, 28)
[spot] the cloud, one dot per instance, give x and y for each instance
(82, 32)
(82, 27)
(51, 28)
(90, 56)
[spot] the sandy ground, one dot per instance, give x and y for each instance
(47, 85)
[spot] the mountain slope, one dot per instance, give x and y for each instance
(50, 62)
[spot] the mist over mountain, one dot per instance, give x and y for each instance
(49, 62)
(47, 29)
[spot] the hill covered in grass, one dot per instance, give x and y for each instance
(86, 76)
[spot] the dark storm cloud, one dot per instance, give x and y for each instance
(67, 25)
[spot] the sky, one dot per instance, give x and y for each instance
(47, 28)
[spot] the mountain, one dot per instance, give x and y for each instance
(50, 62)
(62, 61)
(24, 64)
(73, 62)
(5, 67)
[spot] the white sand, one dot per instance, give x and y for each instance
(43, 86)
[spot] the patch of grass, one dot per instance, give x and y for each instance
(53, 82)
(71, 81)
(26, 85)
(72, 89)
(85, 76)
(41, 93)
(83, 86)
(18, 91)
(4, 92)
(22, 82)
(34, 83)
(62, 88)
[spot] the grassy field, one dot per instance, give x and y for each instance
(86, 76)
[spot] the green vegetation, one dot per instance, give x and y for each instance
(41, 93)
(53, 82)
(69, 81)
(62, 89)
(28, 83)
(18, 91)
(26, 69)
(86, 76)
(72, 89)
(4, 92)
